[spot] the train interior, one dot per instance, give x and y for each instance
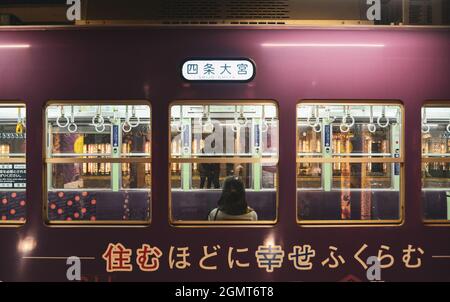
(12, 163)
(349, 162)
(210, 142)
(98, 162)
(436, 162)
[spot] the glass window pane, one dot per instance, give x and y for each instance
(309, 142)
(346, 166)
(309, 176)
(436, 162)
(81, 176)
(13, 199)
(136, 175)
(98, 163)
(363, 176)
(84, 141)
(137, 141)
(222, 156)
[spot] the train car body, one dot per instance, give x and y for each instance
(410, 66)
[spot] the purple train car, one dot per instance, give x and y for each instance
(151, 153)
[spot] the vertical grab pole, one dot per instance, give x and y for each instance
(257, 150)
(116, 143)
(186, 148)
(327, 168)
(395, 150)
(49, 131)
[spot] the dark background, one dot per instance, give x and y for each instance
(329, 12)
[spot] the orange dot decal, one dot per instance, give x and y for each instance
(77, 198)
(93, 201)
(14, 195)
(4, 217)
(93, 218)
(61, 194)
(12, 212)
(4, 201)
(70, 203)
(84, 194)
(76, 215)
(60, 211)
(83, 210)
(22, 203)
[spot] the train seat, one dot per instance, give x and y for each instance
(435, 204)
(98, 205)
(320, 205)
(195, 205)
(13, 206)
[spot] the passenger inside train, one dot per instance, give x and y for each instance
(211, 141)
(209, 172)
(232, 204)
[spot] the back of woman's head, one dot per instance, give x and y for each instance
(233, 201)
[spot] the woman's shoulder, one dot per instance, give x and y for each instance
(252, 213)
(216, 214)
(213, 214)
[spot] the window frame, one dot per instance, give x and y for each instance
(360, 160)
(18, 160)
(61, 160)
(423, 159)
(249, 160)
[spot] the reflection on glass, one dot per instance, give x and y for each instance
(360, 141)
(85, 141)
(309, 176)
(211, 143)
(98, 155)
(309, 142)
(136, 175)
(436, 162)
(344, 166)
(137, 141)
(81, 176)
(436, 175)
(362, 176)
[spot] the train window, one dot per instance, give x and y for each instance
(98, 163)
(13, 197)
(436, 163)
(349, 163)
(223, 163)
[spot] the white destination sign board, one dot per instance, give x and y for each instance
(241, 70)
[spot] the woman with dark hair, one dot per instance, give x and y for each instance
(232, 204)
